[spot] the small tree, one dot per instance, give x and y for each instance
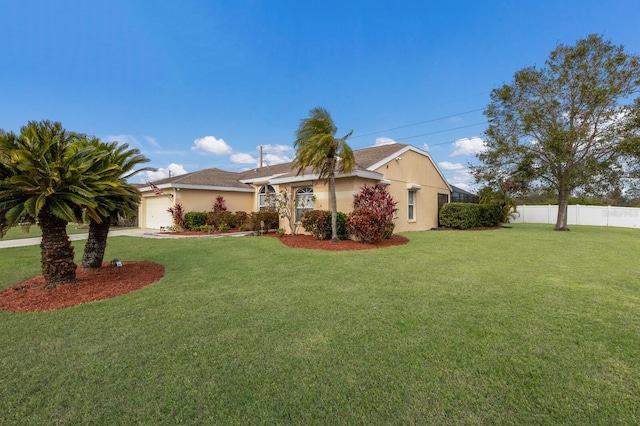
(284, 203)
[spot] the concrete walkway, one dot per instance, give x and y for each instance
(133, 232)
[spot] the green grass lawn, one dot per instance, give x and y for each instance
(34, 231)
(512, 326)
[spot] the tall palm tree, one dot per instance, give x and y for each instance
(44, 179)
(117, 196)
(318, 148)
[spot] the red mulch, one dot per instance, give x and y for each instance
(90, 286)
(308, 242)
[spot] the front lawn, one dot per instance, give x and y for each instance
(34, 231)
(511, 326)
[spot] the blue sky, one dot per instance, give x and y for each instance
(198, 84)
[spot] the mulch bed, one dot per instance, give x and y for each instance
(90, 286)
(308, 242)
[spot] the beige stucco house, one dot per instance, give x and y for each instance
(410, 174)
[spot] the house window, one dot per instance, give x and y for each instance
(266, 197)
(411, 205)
(304, 201)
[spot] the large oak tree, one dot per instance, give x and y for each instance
(570, 125)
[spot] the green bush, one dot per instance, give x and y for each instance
(220, 218)
(241, 219)
(468, 215)
(269, 217)
(194, 220)
(489, 215)
(318, 223)
(341, 225)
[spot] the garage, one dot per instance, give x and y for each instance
(156, 215)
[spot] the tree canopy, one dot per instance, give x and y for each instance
(573, 124)
(318, 148)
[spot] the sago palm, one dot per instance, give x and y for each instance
(116, 196)
(318, 148)
(44, 179)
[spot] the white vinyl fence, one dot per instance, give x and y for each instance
(624, 217)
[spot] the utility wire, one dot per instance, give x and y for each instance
(415, 124)
(441, 131)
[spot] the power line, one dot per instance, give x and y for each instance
(442, 131)
(416, 124)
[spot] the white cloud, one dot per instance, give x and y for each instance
(384, 141)
(243, 158)
(446, 165)
(425, 147)
(271, 154)
(270, 159)
(466, 146)
(212, 145)
(276, 148)
(161, 173)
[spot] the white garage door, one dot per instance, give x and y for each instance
(157, 214)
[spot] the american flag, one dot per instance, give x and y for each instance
(157, 190)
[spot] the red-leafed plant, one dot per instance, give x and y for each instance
(177, 213)
(366, 225)
(219, 205)
(377, 199)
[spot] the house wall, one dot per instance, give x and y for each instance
(345, 189)
(202, 201)
(191, 200)
(417, 169)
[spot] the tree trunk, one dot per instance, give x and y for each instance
(563, 204)
(334, 208)
(96, 244)
(56, 251)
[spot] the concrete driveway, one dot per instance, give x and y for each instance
(133, 232)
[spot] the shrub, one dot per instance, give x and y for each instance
(378, 199)
(341, 225)
(177, 213)
(467, 216)
(195, 220)
(220, 218)
(241, 219)
(318, 223)
(366, 225)
(219, 205)
(269, 217)
(459, 215)
(489, 215)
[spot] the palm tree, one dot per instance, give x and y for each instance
(317, 148)
(117, 196)
(44, 179)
